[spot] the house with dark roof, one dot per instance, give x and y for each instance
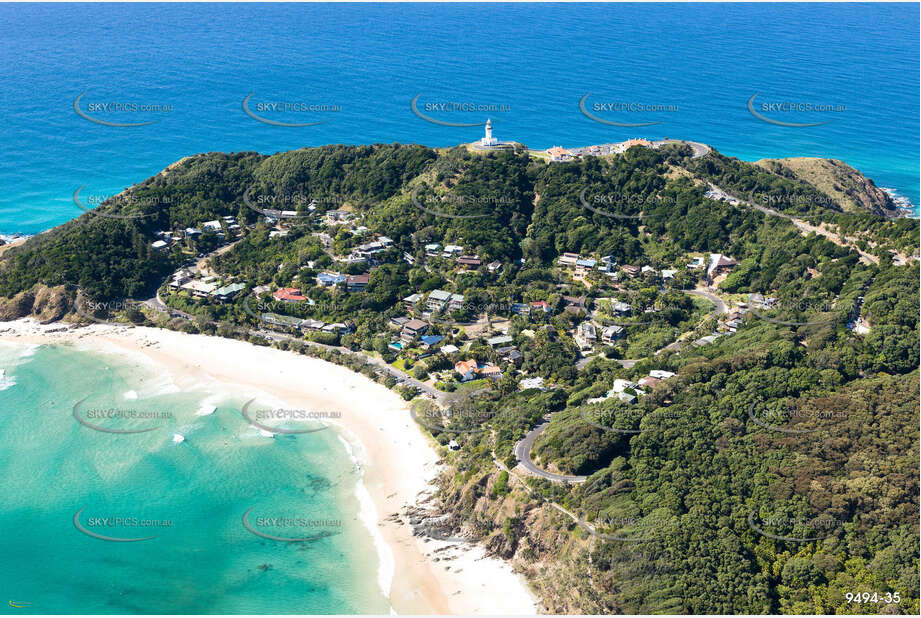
(718, 265)
(521, 309)
(574, 303)
(510, 354)
(357, 283)
(470, 260)
(412, 329)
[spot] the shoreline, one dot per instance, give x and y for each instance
(398, 462)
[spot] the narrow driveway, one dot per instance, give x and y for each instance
(713, 298)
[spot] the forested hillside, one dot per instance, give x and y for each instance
(774, 467)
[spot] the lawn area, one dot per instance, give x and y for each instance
(474, 385)
(400, 364)
(702, 307)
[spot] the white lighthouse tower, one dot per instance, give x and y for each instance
(488, 139)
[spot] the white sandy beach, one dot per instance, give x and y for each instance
(398, 460)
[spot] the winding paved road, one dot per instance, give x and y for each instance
(523, 455)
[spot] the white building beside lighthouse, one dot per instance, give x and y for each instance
(488, 139)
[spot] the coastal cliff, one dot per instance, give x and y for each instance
(46, 304)
(838, 180)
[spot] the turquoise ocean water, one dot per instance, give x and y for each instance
(525, 66)
(191, 496)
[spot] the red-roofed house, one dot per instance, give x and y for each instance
(558, 153)
(467, 369)
(289, 295)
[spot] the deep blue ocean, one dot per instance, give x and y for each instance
(691, 68)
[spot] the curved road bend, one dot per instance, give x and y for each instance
(713, 298)
(523, 455)
(700, 150)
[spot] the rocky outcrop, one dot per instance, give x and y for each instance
(838, 180)
(540, 542)
(41, 302)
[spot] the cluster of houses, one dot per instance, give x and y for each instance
(411, 331)
(731, 322)
(351, 283)
(336, 217)
(166, 238)
(287, 322)
(367, 251)
(205, 287)
(558, 153)
(414, 333)
(716, 265)
(580, 266)
(438, 301)
(586, 335)
(275, 216)
(628, 391)
(471, 370)
(463, 260)
(538, 307)
(505, 351)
